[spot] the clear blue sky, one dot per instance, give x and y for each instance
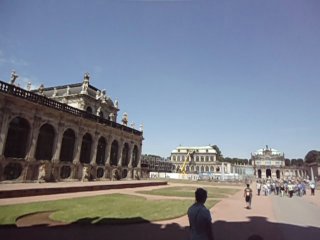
(238, 74)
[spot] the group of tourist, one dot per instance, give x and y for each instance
(200, 218)
(282, 187)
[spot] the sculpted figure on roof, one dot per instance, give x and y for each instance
(14, 77)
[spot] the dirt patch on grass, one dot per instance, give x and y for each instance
(39, 218)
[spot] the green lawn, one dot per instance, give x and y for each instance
(115, 208)
(119, 208)
(188, 191)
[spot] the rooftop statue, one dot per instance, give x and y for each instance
(86, 77)
(125, 119)
(29, 86)
(41, 89)
(14, 77)
(68, 91)
(116, 103)
(85, 83)
(103, 97)
(98, 94)
(112, 117)
(54, 92)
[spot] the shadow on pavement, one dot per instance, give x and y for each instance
(145, 230)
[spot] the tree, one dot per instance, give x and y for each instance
(287, 162)
(219, 154)
(299, 162)
(312, 156)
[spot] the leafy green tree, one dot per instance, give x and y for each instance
(287, 162)
(299, 162)
(312, 156)
(219, 154)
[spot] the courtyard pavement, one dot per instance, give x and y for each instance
(268, 218)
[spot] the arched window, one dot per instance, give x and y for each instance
(207, 168)
(12, 171)
(45, 142)
(114, 153)
(17, 138)
(101, 151)
(135, 157)
(125, 155)
(67, 146)
(197, 158)
(89, 110)
(86, 148)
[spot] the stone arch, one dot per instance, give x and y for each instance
(44, 150)
(278, 174)
(89, 109)
(65, 172)
(125, 155)
(17, 138)
(114, 153)
(259, 173)
(268, 172)
(212, 169)
(135, 156)
(101, 151)
(12, 171)
(100, 172)
(67, 145)
(124, 173)
(85, 152)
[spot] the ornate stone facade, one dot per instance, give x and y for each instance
(268, 162)
(64, 133)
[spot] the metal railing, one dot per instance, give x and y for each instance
(43, 100)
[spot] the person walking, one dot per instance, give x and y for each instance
(312, 187)
(200, 217)
(290, 189)
(259, 187)
(248, 196)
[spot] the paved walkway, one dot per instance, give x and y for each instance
(231, 221)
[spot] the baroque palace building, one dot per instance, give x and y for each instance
(270, 163)
(200, 160)
(65, 133)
